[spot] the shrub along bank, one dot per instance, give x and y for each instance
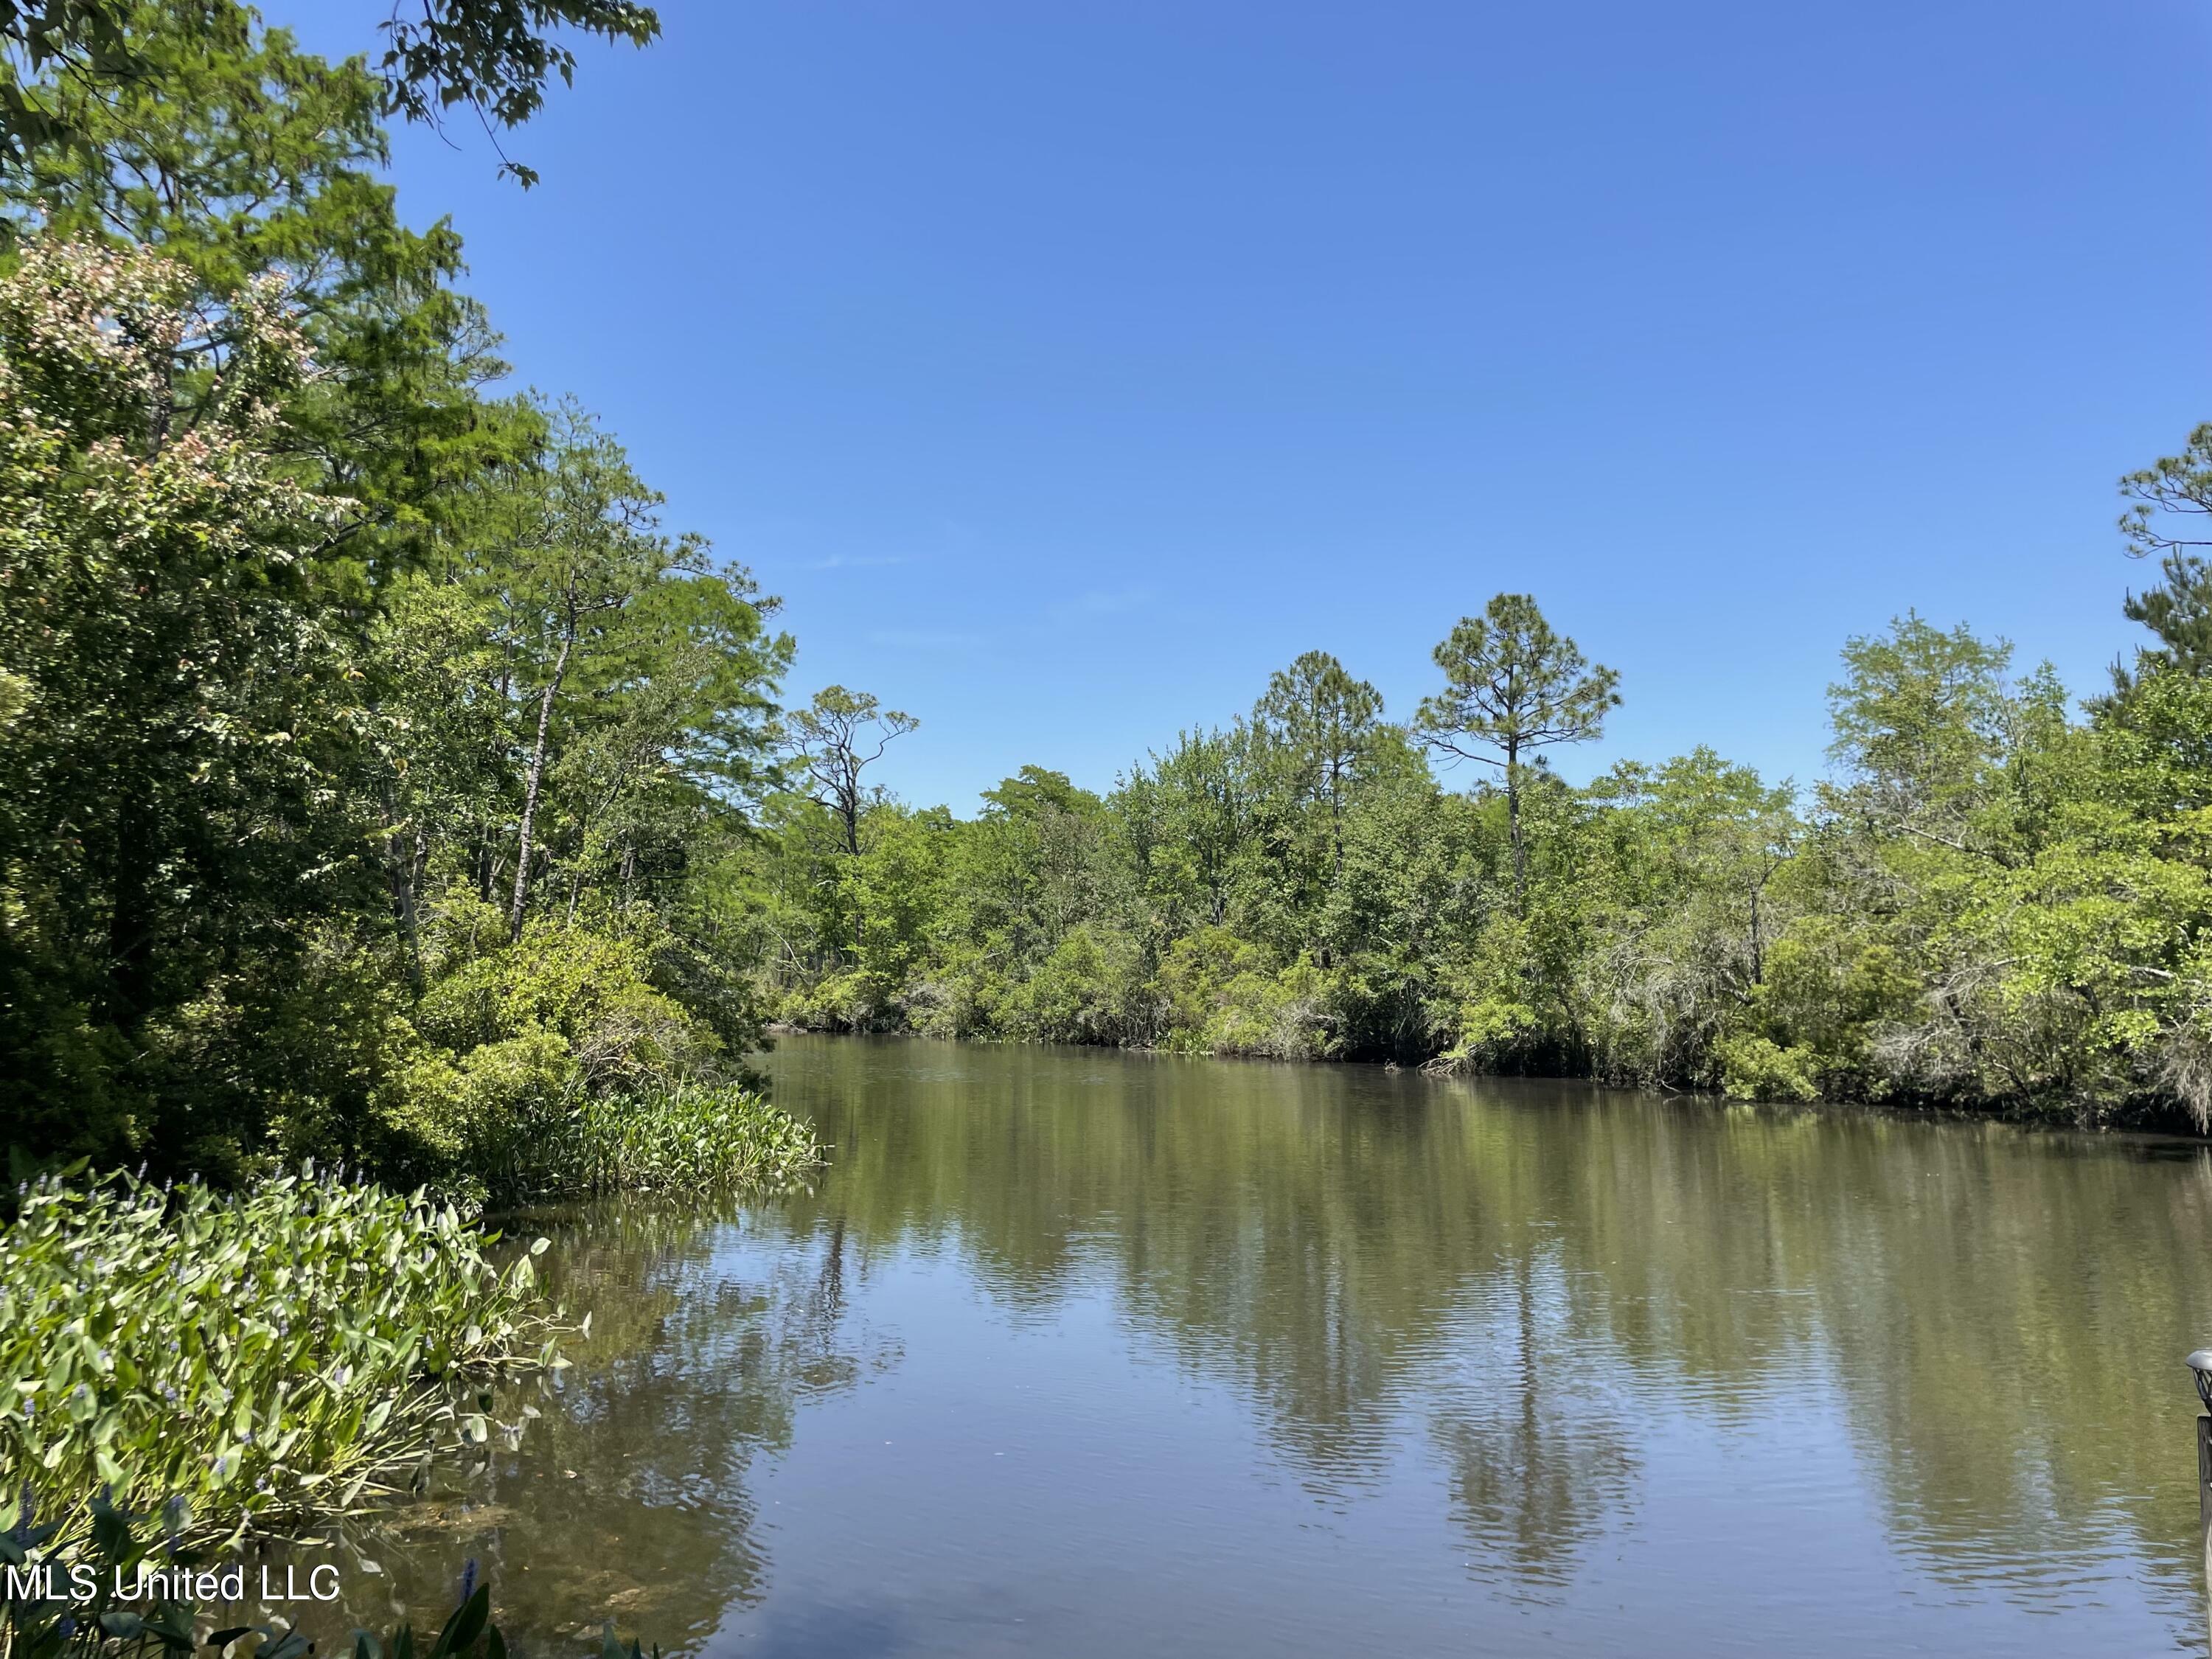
(555, 1068)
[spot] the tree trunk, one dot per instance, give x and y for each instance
(131, 926)
(533, 782)
(403, 862)
(848, 804)
(1336, 814)
(1513, 824)
(848, 809)
(411, 927)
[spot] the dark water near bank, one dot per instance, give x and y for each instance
(1078, 1353)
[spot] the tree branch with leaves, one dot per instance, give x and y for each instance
(1512, 686)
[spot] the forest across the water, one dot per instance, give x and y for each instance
(382, 780)
(1995, 900)
(402, 820)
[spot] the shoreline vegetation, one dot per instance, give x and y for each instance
(383, 782)
(261, 1360)
(131, 1590)
(373, 770)
(1997, 903)
(271, 1355)
(247, 1361)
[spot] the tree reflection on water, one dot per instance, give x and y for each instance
(627, 1496)
(1498, 1289)
(1994, 1314)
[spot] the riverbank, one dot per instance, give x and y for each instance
(1769, 1083)
(251, 1360)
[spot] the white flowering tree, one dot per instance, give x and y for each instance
(173, 705)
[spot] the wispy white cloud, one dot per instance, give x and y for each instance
(1099, 602)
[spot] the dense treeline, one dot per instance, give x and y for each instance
(371, 754)
(1996, 902)
(379, 777)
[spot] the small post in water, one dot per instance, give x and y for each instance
(2200, 1366)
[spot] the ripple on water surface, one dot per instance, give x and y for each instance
(1077, 1354)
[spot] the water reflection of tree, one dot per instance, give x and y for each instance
(1539, 1463)
(629, 1496)
(1314, 1244)
(1992, 1314)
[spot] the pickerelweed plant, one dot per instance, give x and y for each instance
(685, 1138)
(260, 1358)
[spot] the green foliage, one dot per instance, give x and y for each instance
(1920, 720)
(1513, 686)
(511, 1125)
(1993, 903)
(495, 56)
(323, 676)
(683, 1140)
(2167, 502)
(1090, 989)
(1323, 722)
(64, 63)
(251, 1356)
(1754, 1068)
(588, 994)
(553, 1067)
(833, 739)
(182, 710)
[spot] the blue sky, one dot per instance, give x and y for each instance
(1068, 368)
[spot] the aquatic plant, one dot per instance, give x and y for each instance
(683, 1139)
(254, 1356)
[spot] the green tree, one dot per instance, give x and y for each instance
(833, 740)
(575, 545)
(64, 63)
(570, 693)
(243, 160)
(1512, 685)
(2168, 504)
(1921, 718)
(1326, 719)
(1200, 801)
(181, 726)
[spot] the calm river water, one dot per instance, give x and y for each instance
(1078, 1353)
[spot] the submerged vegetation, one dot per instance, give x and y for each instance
(242, 1360)
(121, 1551)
